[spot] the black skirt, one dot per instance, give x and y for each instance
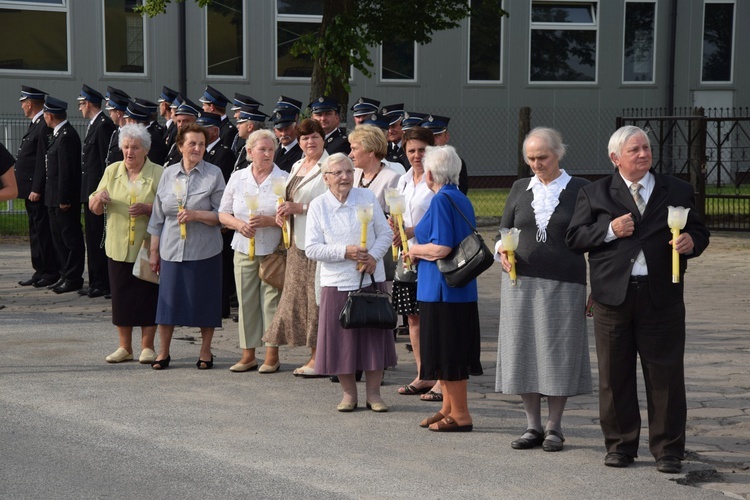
(450, 340)
(133, 300)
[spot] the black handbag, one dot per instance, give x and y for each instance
(467, 260)
(368, 309)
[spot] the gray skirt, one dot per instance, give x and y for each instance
(543, 343)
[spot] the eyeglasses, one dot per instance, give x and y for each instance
(341, 173)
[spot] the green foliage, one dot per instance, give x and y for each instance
(152, 8)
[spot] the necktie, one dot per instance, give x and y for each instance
(635, 190)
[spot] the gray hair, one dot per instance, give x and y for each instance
(258, 135)
(135, 131)
(335, 159)
(551, 137)
(621, 136)
(443, 163)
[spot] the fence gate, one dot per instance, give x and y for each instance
(708, 148)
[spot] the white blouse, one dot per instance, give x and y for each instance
(332, 225)
(546, 199)
(418, 197)
(267, 239)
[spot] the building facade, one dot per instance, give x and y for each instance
(576, 64)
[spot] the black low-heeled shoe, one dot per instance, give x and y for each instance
(161, 364)
(207, 364)
(527, 443)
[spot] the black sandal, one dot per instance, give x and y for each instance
(526, 443)
(161, 364)
(208, 364)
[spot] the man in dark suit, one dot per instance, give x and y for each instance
(186, 112)
(31, 178)
(63, 194)
(221, 156)
(249, 119)
(621, 221)
(215, 102)
(363, 108)
(140, 114)
(325, 110)
(394, 113)
(93, 162)
(240, 103)
(439, 127)
(289, 151)
(165, 100)
(158, 133)
(117, 105)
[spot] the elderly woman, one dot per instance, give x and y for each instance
(133, 299)
(418, 196)
(543, 348)
(333, 239)
(448, 317)
(296, 323)
(257, 299)
(369, 147)
(187, 203)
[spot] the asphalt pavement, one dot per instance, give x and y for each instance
(73, 426)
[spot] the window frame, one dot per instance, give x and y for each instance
(245, 62)
(503, 28)
(62, 6)
(289, 18)
(595, 26)
(656, 40)
(121, 74)
(415, 78)
(734, 42)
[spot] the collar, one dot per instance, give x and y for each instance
(95, 117)
(198, 168)
(212, 145)
(290, 146)
(563, 179)
(333, 202)
(37, 115)
(59, 126)
(330, 134)
(647, 182)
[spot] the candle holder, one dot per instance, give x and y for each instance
(134, 189)
(364, 216)
(278, 184)
(509, 240)
(252, 202)
(676, 220)
(179, 188)
(398, 207)
(391, 193)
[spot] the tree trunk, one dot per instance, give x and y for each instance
(331, 9)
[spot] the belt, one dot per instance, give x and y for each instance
(634, 280)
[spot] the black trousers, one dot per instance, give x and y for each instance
(657, 335)
(67, 237)
(43, 257)
(95, 256)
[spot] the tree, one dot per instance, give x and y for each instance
(351, 27)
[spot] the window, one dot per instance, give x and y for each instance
(398, 60)
(28, 51)
(718, 41)
(295, 18)
(225, 38)
(563, 44)
(638, 57)
(123, 37)
(485, 41)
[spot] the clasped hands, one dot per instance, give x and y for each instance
(624, 226)
(362, 256)
(256, 222)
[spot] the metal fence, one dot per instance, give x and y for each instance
(710, 148)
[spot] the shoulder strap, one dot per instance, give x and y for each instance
(459, 211)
